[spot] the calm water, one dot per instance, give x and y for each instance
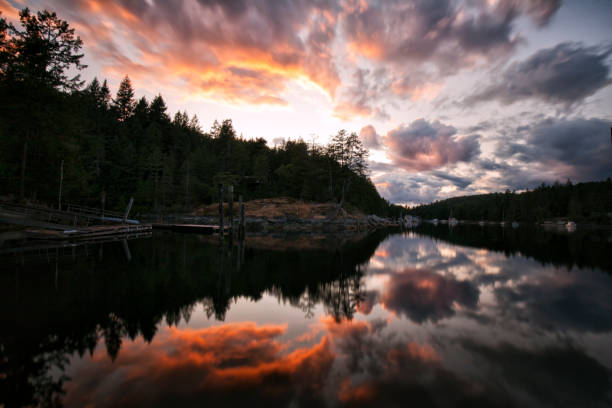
(433, 317)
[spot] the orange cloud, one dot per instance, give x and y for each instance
(348, 110)
(8, 11)
(213, 50)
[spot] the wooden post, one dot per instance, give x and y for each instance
(187, 187)
(59, 199)
(230, 201)
(241, 220)
(103, 203)
(221, 209)
(127, 209)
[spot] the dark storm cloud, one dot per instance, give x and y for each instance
(441, 31)
(423, 41)
(427, 145)
(566, 74)
(578, 149)
(461, 182)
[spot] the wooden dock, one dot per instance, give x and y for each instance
(87, 232)
(195, 228)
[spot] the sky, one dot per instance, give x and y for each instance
(450, 97)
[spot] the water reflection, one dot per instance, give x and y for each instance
(427, 318)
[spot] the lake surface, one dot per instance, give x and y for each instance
(468, 316)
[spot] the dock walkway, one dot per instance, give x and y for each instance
(196, 228)
(87, 232)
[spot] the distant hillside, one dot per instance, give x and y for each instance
(582, 202)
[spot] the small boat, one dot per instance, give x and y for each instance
(435, 221)
(570, 226)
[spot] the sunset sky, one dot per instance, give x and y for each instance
(451, 97)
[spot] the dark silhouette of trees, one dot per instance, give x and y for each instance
(582, 202)
(34, 61)
(41, 53)
(115, 148)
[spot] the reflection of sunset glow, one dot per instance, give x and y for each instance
(237, 356)
(426, 284)
(447, 252)
(382, 253)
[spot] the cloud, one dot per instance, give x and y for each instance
(252, 52)
(461, 182)
(451, 35)
(427, 145)
(370, 138)
(233, 363)
(359, 98)
(556, 374)
(238, 52)
(423, 295)
(577, 302)
(578, 149)
(381, 369)
(564, 74)
(540, 11)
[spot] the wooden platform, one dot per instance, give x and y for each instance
(195, 228)
(79, 233)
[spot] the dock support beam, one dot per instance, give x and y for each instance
(230, 201)
(241, 220)
(221, 209)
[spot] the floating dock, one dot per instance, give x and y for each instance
(195, 228)
(87, 232)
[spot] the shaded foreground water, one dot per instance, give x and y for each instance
(433, 317)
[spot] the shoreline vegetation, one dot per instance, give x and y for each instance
(582, 203)
(62, 141)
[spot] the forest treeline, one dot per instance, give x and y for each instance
(582, 202)
(114, 146)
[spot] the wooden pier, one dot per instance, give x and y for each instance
(195, 228)
(86, 233)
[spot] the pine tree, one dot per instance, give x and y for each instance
(124, 101)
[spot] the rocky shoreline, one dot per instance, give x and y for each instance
(288, 224)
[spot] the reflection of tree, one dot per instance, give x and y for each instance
(165, 280)
(342, 297)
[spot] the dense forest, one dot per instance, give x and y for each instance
(110, 148)
(582, 202)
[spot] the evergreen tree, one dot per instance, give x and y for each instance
(124, 101)
(41, 53)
